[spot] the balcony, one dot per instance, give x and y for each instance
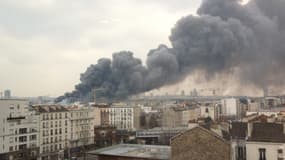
(15, 118)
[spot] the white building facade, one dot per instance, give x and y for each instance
(54, 131)
(265, 151)
(19, 130)
(229, 107)
(121, 116)
(81, 126)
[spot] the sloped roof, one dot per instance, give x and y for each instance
(267, 132)
(49, 108)
(217, 136)
(238, 130)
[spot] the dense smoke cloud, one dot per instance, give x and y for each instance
(225, 37)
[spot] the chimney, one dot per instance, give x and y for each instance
(249, 129)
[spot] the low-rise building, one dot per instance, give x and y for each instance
(199, 143)
(266, 141)
(105, 136)
(159, 135)
(131, 152)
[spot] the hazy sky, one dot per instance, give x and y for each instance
(46, 44)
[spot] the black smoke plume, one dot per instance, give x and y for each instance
(226, 36)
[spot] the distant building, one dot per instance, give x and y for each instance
(208, 111)
(105, 136)
(7, 94)
(131, 152)
(121, 116)
(229, 107)
(199, 144)
(176, 116)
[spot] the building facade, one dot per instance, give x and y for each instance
(121, 116)
(54, 131)
(81, 126)
(19, 130)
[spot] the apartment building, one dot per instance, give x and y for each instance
(18, 132)
(257, 140)
(122, 116)
(81, 126)
(176, 116)
(54, 131)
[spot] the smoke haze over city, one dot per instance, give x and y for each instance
(226, 38)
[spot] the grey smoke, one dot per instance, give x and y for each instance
(225, 36)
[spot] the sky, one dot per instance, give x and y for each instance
(46, 44)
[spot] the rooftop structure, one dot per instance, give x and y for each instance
(134, 151)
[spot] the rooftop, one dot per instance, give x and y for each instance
(49, 108)
(268, 132)
(135, 151)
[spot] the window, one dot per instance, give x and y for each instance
(240, 153)
(11, 139)
(51, 132)
(23, 130)
(33, 137)
(22, 146)
(262, 154)
(23, 139)
(280, 154)
(11, 148)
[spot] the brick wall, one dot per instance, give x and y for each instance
(199, 144)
